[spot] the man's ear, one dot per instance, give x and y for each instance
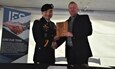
(42, 13)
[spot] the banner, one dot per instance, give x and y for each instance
(15, 36)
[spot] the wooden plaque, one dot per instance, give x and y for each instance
(62, 27)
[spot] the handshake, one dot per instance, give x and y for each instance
(56, 38)
(16, 28)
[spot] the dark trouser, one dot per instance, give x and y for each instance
(39, 65)
(77, 63)
(50, 63)
(77, 67)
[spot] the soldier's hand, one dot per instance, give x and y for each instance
(54, 45)
(56, 38)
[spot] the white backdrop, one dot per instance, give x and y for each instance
(102, 41)
(1, 16)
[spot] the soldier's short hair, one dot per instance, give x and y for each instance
(45, 7)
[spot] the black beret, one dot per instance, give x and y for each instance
(45, 7)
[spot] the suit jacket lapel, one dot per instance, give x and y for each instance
(75, 22)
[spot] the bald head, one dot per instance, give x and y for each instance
(73, 8)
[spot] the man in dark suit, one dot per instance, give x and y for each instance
(44, 31)
(77, 46)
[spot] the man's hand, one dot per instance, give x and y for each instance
(68, 34)
(54, 45)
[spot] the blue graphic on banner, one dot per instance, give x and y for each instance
(15, 35)
(11, 14)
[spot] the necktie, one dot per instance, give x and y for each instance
(70, 25)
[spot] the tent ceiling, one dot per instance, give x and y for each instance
(106, 5)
